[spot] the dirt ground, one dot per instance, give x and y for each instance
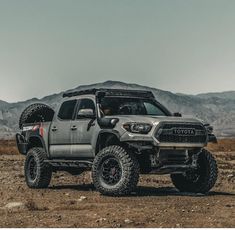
(71, 201)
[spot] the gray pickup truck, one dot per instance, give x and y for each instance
(117, 134)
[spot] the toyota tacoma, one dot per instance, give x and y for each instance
(118, 135)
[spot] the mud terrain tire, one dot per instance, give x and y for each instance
(37, 172)
(36, 113)
(115, 172)
(200, 180)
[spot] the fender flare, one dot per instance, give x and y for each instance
(38, 137)
(106, 131)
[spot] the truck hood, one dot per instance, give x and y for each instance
(155, 119)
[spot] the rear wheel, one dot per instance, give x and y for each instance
(115, 171)
(200, 180)
(37, 172)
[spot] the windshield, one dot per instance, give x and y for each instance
(130, 106)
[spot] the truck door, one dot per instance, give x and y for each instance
(60, 134)
(82, 130)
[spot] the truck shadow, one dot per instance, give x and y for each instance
(172, 191)
(142, 191)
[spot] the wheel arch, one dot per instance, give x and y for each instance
(106, 138)
(36, 141)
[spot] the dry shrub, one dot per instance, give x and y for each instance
(8, 147)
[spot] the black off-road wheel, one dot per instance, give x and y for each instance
(36, 113)
(37, 172)
(200, 180)
(115, 172)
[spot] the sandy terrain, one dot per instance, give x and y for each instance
(72, 202)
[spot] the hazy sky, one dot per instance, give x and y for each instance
(183, 46)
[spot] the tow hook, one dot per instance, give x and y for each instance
(154, 160)
(194, 160)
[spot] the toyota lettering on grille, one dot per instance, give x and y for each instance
(184, 132)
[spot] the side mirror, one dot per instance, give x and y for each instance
(177, 114)
(86, 113)
(107, 122)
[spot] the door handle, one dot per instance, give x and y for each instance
(74, 127)
(54, 129)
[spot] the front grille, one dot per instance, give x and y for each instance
(166, 133)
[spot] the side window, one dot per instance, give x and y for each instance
(67, 109)
(86, 104)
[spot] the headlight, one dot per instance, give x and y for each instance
(142, 128)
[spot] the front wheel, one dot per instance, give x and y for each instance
(37, 172)
(115, 171)
(200, 180)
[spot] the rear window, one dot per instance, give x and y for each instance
(67, 110)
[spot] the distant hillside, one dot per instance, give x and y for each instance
(215, 108)
(224, 95)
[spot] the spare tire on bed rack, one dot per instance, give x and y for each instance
(36, 113)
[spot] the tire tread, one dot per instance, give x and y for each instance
(43, 110)
(45, 171)
(207, 184)
(130, 166)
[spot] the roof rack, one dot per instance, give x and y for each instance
(111, 92)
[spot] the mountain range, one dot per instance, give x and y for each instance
(218, 109)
